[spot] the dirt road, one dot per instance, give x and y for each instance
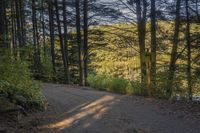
(79, 110)
(87, 111)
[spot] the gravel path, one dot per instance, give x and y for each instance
(74, 109)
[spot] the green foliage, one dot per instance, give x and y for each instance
(179, 87)
(17, 85)
(47, 71)
(162, 85)
(196, 88)
(114, 51)
(137, 87)
(107, 83)
(100, 82)
(120, 85)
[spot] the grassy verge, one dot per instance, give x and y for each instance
(111, 84)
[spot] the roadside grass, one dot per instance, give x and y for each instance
(111, 84)
(127, 87)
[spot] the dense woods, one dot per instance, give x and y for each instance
(143, 47)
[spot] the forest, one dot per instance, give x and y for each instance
(145, 48)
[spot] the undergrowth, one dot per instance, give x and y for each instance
(111, 84)
(17, 84)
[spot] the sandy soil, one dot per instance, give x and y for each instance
(82, 110)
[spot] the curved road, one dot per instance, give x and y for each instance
(81, 110)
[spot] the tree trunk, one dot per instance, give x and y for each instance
(34, 32)
(63, 52)
(51, 28)
(2, 27)
(13, 42)
(79, 42)
(153, 46)
(5, 25)
(172, 66)
(141, 26)
(35, 40)
(22, 20)
(43, 30)
(197, 9)
(66, 40)
(19, 36)
(85, 45)
(188, 38)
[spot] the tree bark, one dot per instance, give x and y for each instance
(141, 26)
(19, 35)
(85, 45)
(2, 27)
(22, 20)
(43, 29)
(173, 59)
(66, 40)
(13, 42)
(188, 38)
(52, 38)
(63, 52)
(153, 46)
(79, 42)
(36, 40)
(6, 44)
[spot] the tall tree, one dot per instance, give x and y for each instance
(51, 30)
(22, 21)
(2, 27)
(141, 26)
(43, 27)
(37, 60)
(6, 43)
(34, 30)
(13, 32)
(66, 39)
(173, 60)
(19, 35)
(85, 45)
(153, 44)
(188, 39)
(62, 47)
(79, 41)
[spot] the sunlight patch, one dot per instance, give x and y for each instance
(96, 108)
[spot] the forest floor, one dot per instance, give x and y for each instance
(74, 109)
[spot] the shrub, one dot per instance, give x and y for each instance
(107, 83)
(100, 82)
(47, 71)
(118, 85)
(17, 85)
(137, 87)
